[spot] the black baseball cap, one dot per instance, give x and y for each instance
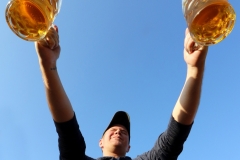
(122, 118)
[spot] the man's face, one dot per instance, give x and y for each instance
(115, 139)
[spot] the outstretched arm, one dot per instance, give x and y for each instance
(170, 143)
(71, 142)
(188, 101)
(48, 51)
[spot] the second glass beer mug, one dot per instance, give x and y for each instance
(209, 21)
(31, 19)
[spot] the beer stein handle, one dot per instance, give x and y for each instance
(59, 5)
(197, 46)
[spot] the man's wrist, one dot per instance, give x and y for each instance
(195, 72)
(48, 66)
(53, 68)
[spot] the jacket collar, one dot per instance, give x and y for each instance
(112, 158)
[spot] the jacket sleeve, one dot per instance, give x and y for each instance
(169, 144)
(70, 142)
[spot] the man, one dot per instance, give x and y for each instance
(115, 142)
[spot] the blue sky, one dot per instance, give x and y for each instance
(119, 55)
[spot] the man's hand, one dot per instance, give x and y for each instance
(193, 57)
(48, 49)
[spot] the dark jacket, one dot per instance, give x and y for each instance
(167, 147)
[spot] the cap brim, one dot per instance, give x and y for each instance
(121, 118)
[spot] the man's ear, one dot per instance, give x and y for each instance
(128, 148)
(101, 143)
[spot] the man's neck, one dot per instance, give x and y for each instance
(111, 154)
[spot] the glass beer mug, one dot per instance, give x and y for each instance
(31, 19)
(208, 21)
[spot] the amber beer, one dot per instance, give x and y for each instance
(31, 19)
(209, 21)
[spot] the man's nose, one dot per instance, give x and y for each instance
(117, 131)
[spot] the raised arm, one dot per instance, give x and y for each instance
(188, 101)
(169, 144)
(48, 51)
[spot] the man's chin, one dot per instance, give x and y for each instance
(117, 143)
